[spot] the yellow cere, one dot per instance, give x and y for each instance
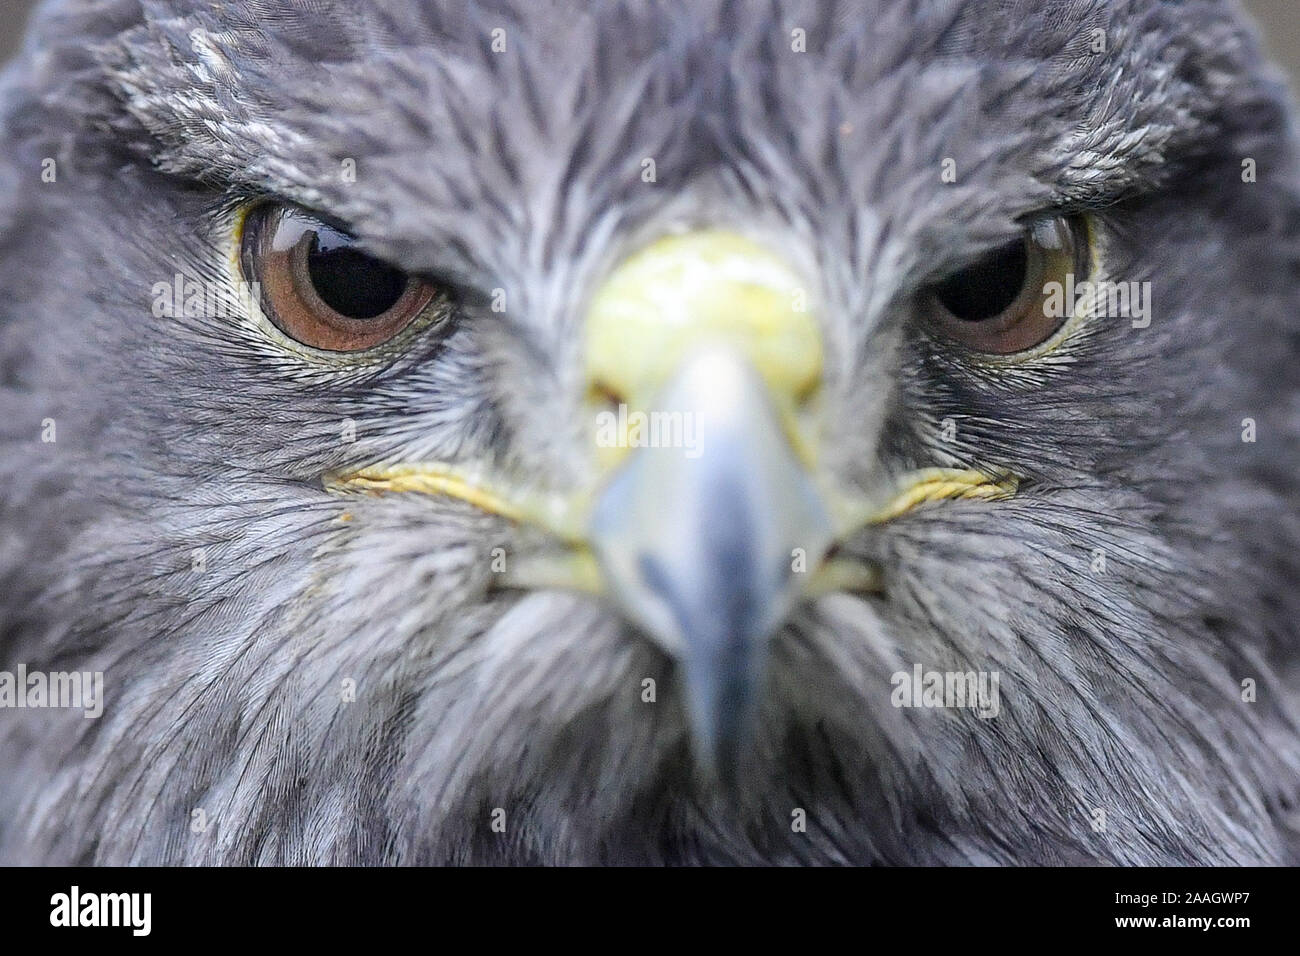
(686, 291)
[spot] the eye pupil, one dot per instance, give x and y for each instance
(987, 288)
(352, 283)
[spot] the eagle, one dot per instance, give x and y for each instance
(648, 432)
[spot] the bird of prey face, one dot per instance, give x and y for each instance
(534, 431)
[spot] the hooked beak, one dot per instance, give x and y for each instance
(697, 541)
(701, 551)
(707, 524)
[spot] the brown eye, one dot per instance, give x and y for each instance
(1006, 302)
(320, 289)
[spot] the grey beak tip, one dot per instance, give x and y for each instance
(698, 550)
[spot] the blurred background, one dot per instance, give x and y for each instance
(1280, 20)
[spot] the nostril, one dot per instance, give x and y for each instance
(603, 395)
(806, 397)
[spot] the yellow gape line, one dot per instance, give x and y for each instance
(562, 517)
(944, 484)
(550, 512)
(429, 482)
